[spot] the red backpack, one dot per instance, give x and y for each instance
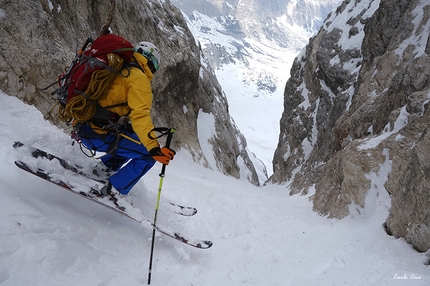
(75, 81)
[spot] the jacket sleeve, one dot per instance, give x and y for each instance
(139, 99)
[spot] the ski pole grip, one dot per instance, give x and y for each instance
(169, 137)
(169, 132)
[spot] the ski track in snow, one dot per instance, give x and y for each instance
(261, 236)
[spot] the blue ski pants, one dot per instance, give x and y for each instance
(131, 160)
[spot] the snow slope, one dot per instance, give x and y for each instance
(261, 236)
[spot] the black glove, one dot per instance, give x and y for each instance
(162, 155)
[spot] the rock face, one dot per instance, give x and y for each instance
(356, 113)
(39, 38)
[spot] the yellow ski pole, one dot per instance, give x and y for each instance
(160, 186)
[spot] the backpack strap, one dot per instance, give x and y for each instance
(134, 64)
(102, 112)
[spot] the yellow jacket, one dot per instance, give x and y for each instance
(135, 90)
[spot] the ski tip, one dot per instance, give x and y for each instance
(208, 243)
(183, 210)
(204, 244)
(22, 165)
(17, 144)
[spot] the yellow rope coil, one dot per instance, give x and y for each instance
(78, 108)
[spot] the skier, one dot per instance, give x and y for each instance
(131, 152)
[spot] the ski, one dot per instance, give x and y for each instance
(112, 203)
(38, 153)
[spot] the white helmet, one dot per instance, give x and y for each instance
(149, 51)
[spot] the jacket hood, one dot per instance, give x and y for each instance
(143, 62)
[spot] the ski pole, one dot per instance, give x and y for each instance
(160, 186)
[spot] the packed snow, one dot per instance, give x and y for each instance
(261, 236)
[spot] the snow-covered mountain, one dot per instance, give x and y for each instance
(251, 45)
(262, 236)
(364, 76)
(356, 110)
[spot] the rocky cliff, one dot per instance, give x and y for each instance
(39, 38)
(356, 114)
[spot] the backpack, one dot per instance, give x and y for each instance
(89, 76)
